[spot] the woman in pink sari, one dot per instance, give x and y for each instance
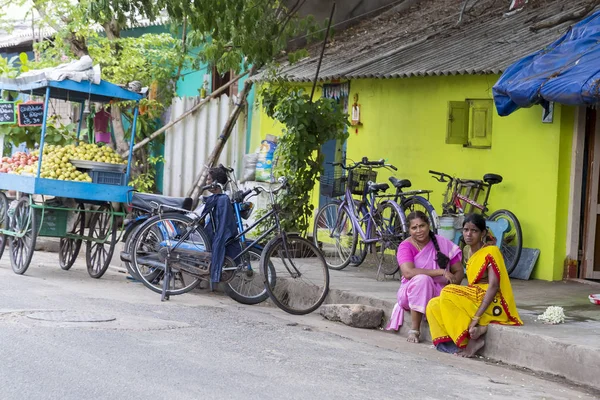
(428, 263)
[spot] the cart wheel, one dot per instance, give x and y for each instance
(23, 221)
(3, 221)
(102, 227)
(69, 248)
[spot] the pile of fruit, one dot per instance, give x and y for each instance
(56, 163)
(18, 162)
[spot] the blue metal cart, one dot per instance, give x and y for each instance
(31, 217)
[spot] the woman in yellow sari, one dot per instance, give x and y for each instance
(459, 317)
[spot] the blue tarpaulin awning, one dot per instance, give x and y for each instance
(566, 72)
(69, 90)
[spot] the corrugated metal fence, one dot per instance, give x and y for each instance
(189, 143)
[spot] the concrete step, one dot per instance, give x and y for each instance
(572, 351)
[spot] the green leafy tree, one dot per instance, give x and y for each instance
(94, 28)
(235, 34)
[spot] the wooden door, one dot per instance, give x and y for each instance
(591, 250)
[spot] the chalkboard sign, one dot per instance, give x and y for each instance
(31, 114)
(7, 113)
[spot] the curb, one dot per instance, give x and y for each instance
(508, 344)
(513, 345)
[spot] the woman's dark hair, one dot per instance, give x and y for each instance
(441, 259)
(219, 175)
(477, 220)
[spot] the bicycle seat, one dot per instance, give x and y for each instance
(148, 202)
(378, 187)
(400, 184)
(492, 179)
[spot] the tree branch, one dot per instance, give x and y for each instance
(559, 19)
(183, 50)
(462, 12)
(77, 46)
(289, 16)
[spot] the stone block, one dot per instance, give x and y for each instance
(355, 315)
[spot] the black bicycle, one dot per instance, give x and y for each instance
(294, 272)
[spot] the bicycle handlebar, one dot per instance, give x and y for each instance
(240, 196)
(213, 185)
(445, 177)
(442, 176)
(365, 161)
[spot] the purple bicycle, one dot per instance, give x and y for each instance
(346, 229)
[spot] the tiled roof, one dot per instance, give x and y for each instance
(426, 40)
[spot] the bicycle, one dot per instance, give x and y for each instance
(295, 275)
(409, 202)
(145, 205)
(339, 224)
(455, 204)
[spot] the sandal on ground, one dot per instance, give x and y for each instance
(414, 333)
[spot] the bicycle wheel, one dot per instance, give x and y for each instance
(148, 253)
(418, 203)
(23, 221)
(152, 238)
(512, 241)
(335, 236)
(98, 255)
(248, 285)
(3, 221)
(69, 248)
(302, 280)
(362, 249)
(389, 230)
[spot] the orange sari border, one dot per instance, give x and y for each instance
(462, 337)
(442, 339)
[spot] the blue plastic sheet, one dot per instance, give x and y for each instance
(566, 72)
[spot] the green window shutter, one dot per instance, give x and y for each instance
(480, 123)
(458, 122)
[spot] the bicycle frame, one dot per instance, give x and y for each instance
(368, 205)
(241, 235)
(352, 211)
(456, 198)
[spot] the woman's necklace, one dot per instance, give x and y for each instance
(416, 244)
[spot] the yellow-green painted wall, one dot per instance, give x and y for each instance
(564, 182)
(405, 120)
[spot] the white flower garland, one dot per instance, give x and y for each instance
(553, 315)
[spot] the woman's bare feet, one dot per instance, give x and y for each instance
(473, 347)
(413, 336)
(477, 331)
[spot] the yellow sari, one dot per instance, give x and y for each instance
(449, 315)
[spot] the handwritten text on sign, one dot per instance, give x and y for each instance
(7, 113)
(31, 114)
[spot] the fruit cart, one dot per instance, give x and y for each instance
(56, 206)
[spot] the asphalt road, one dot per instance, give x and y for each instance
(204, 345)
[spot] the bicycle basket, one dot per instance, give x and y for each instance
(333, 184)
(359, 179)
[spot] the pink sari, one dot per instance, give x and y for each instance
(415, 293)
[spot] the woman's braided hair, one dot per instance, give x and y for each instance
(441, 259)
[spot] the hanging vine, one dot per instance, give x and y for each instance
(308, 125)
